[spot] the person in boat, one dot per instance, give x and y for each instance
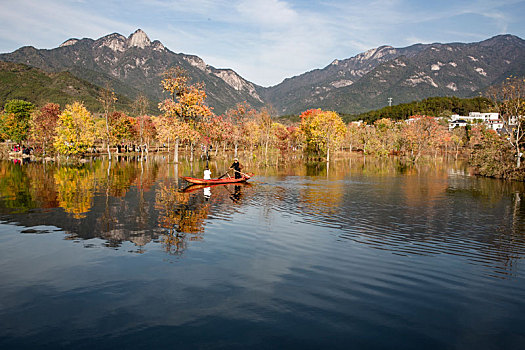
(207, 174)
(236, 167)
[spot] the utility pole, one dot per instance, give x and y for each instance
(390, 102)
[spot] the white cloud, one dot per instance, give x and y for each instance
(267, 12)
(47, 24)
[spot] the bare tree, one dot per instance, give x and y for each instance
(508, 99)
(107, 98)
(140, 105)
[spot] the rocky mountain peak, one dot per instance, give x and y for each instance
(377, 53)
(504, 39)
(138, 39)
(115, 42)
(157, 46)
(69, 42)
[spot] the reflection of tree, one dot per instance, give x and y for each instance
(324, 199)
(182, 215)
(125, 219)
(43, 187)
(27, 187)
(15, 188)
(423, 185)
(115, 178)
(384, 204)
(75, 186)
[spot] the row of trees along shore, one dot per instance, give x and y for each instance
(185, 120)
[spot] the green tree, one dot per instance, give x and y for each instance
(14, 122)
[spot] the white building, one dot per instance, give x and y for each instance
(457, 123)
(491, 120)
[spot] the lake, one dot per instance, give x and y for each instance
(364, 253)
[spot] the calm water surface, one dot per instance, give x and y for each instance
(365, 254)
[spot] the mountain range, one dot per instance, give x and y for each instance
(134, 65)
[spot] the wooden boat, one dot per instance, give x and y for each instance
(228, 180)
(196, 187)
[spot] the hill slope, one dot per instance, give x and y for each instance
(20, 81)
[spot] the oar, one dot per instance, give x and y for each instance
(243, 174)
(223, 175)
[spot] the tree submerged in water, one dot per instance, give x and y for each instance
(323, 131)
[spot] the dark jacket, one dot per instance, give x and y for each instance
(238, 167)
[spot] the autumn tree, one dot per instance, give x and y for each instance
(323, 131)
(187, 103)
(75, 130)
(282, 135)
(175, 82)
(139, 106)
(381, 139)
(122, 127)
(251, 133)
(164, 126)
(145, 129)
(458, 138)
(237, 117)
(107, 98)
(509, 101)
(264, 118)
(354, 136)
(491, 155)
(217, 130)
(419, 134)
(43, 124)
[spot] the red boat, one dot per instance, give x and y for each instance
(195, 187)
(228, 180)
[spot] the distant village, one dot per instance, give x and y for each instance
(490, 120)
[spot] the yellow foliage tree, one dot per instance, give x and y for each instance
(187, 104)
(75, 130)
(323, 131)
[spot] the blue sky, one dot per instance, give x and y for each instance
(265, 41)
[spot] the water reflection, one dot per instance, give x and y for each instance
(369, 252)
(423, 209)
